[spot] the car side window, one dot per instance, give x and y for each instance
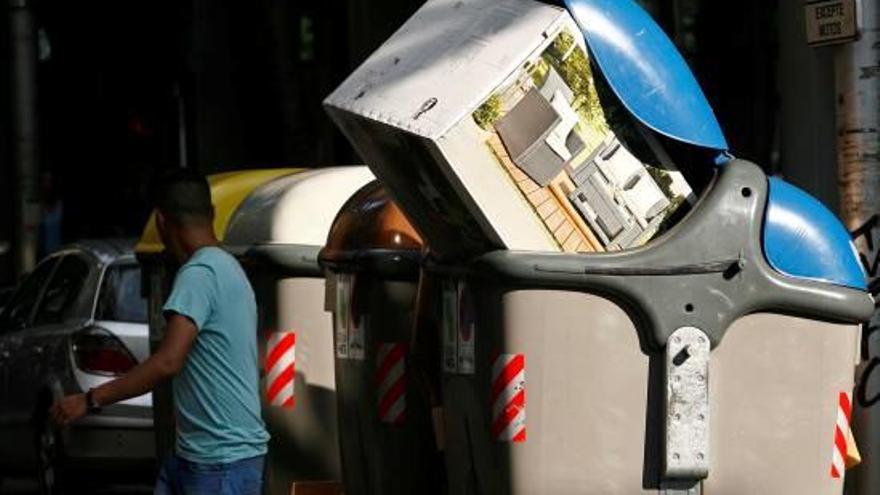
(63, 290)
(121, 298)
(16, 315)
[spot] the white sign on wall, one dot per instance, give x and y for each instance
(831, 21)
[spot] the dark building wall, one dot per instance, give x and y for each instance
(6, 165)
(369, 26)
(736, 50)
(237, 117)
(106, 105)
(808, 130)
(262, 69)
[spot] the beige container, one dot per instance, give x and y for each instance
(588, 373)
(591, 392)
(277, 232)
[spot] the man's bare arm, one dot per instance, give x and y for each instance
(166, 362)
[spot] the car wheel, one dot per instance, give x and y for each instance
(50, 466)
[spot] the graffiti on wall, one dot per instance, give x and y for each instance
(867, 240)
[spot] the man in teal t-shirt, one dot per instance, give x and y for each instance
(209, 351)
(216, 394)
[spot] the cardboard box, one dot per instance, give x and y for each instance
(483, 119)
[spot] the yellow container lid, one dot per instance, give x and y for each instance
(228, 191)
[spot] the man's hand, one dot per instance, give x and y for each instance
(69, 409)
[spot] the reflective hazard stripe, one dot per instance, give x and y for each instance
(841, 431)
(281, 369)
(509, 398)
(391, 382)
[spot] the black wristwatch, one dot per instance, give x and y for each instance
(92, 404)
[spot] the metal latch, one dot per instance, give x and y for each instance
(687, 405)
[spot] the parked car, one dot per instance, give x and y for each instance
(76, 321)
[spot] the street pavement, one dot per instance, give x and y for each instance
(29, 487)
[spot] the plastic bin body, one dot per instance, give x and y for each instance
(277, 232)
(304, 437)
(384, 421)
(558, 369)
(593, 358)
(591, 390)
(275, 222)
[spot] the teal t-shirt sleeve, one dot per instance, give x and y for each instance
(192, 295)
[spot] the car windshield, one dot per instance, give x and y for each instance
(121, 298)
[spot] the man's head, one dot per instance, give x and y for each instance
(184, 212)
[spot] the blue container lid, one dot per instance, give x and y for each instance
(646, 71)
(803, 239)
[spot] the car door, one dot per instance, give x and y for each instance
(57, 312)
(16, 316)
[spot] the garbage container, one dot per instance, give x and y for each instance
(228, 190)
(716, 357)
(372, 258)
(275, 222)
(695, 358)
(277, 232)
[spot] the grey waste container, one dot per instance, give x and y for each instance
(277, 232)
(372, 258)
(716, 356)
(688, 364)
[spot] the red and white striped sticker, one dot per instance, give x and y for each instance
(280, 369)
(391, 382)
(509, 398)
(841, 433)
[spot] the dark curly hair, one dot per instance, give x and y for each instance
(184, 197)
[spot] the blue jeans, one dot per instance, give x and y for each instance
(178, 476)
